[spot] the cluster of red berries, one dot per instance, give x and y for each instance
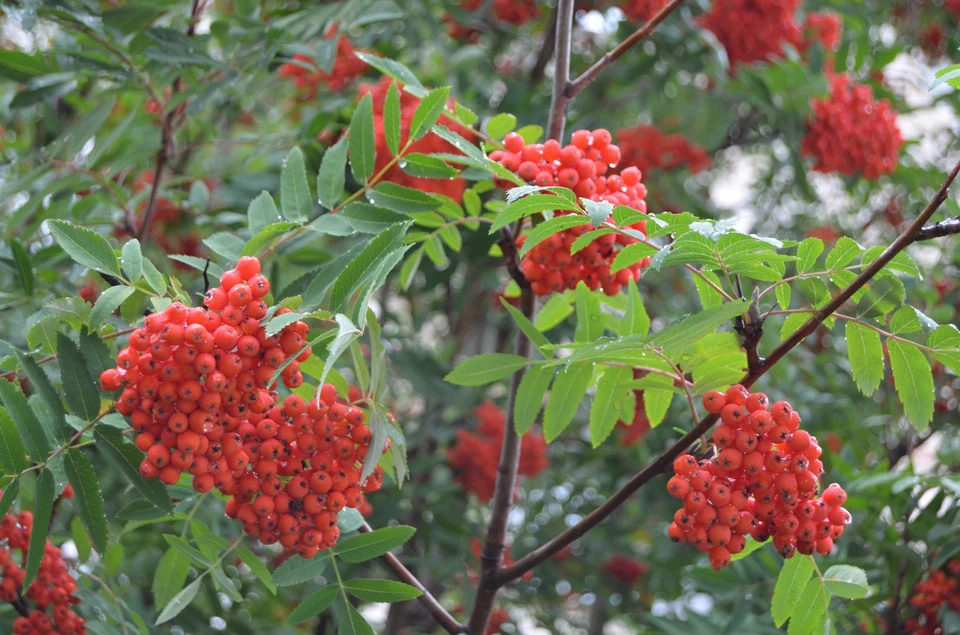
(825, 28)
(581, 166)
(642, 10)
(429, 144)
(759, 31)
(763, 483)
(932, 39)
(197, 385)
(953, 6)
(474, 457)
(852, 132)
(53, 586)
(626, 569)
(649, 148)
(516, 11)
(308, 78)
(930, 596)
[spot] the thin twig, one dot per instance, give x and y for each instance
(589, 75)
(664, 461)
(561, 71)
(433, 606)
(938, 230)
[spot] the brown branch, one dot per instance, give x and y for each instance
(171, 121)
(664, 461)
(546, 51)
(939, 230)
(561, 71)
(589, 75)
(491, 556)
(430, 603)
(508, 246)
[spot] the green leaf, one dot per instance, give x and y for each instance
(42, 509)
(179, 602)
(313, 605)
(792, 324)
(369, 219)
(332, 175)
(351, 622)
(884, 295)
(529, 205)
(381, 590)
(791, 582)
(467, 116)
(409, 268)
(555, 311)
(901, 262)
(635, 319)
(295, 198)
(533, 386)
(656, 403)
(783, 292)
(80, 539)
(807, 253)
(155, 279)
(226, 585)
(426, 166)
(599, 212)
(128, 457)
(401, 199)
(191, 552)
(709, 296)
(365, 263)
(810, 609)
(24, 267)
(945, 342)
(296, 570)
(13, 456)
(257, 567)
(548, 228)
(866, 357)
(607, 402)
(914, 382)
(29, 426)
(96, 354)
(9, 495)
(79, 387)
(396, 70)
(690, 329)
(261, 212)
(227, 244)
(391, 119)
(485, 369)
(89, 500)
(531, 133)
(266, 236)
(363, 150)
(843, 253)
(565, 396)
(170, 576)
(907, 319)
(20, 67)
(499, 125)
(846, 581)
(631, 255)
(428, 111)
(371, 545)
(132, 259)
(751, 546)
(589, 317)
(43, 333)
(85, 246)
(530, 331)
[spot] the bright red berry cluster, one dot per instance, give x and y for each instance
(649, 148)
(429, 144)
(930, 596)
(825, 28)
(197, 385)
(516, 11)
(474, 457)
(626, 569)
(953, 6)
(581, 166)
(763, 483)
(641, 10)
(53, 586)
(633, 432)
(759, 31)
(852, 132)
(308, 77)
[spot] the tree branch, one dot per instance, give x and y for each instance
(561, 71)
(589, 75)
(939, 230)
(546, 51)
(430, 603)
(664, 461)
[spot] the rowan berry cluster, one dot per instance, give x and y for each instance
(516, 11)
(474, 457)
(581, 166)
(52, 589)
(930, 596)
(198, 384)
(825, 28)
(763, 483)
(429, 144)
(642, 10)
(852, 132)
(633, 432)
(626, 569)
(953, 6)
(649, 148)
(308, 77)
(759, 31)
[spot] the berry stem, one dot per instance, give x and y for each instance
(664, 461)
(429, 602)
